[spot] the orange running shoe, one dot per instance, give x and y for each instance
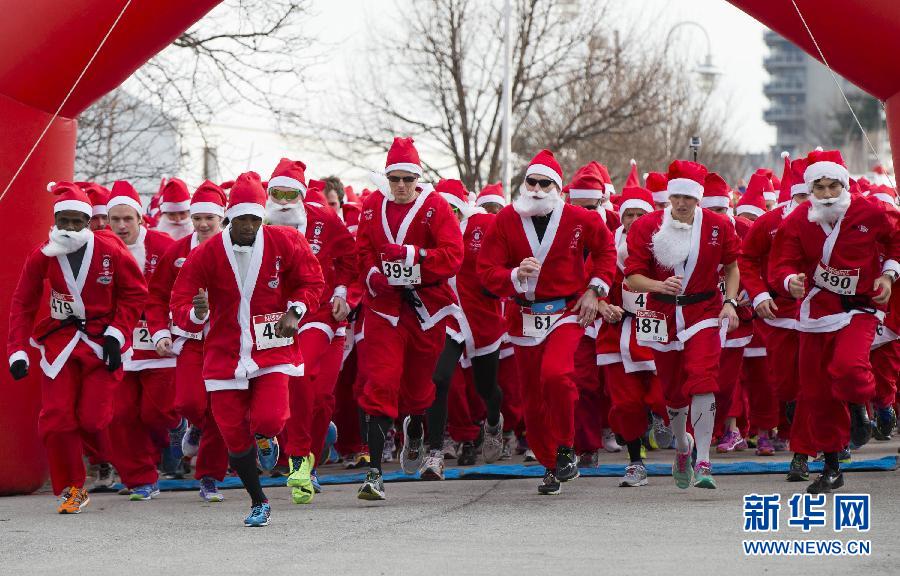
(73, 500)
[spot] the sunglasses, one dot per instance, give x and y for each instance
(535, 182)
(285, 194)
(406, 179)
(455, 209)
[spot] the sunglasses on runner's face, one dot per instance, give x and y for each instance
(455, 209)
(541, 183)
(284, 193)
(407, 179)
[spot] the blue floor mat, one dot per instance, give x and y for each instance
(498, 471)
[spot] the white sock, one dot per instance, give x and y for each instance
(703, 418)
(678, 423)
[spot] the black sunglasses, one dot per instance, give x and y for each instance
(541, 183)
(407, 179)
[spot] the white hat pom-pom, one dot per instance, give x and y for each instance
(645, 175)
(785, 154)
(633, 162)
(50, 186)
(819, 149)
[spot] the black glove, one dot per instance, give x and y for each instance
(112, 353)
(19, 369)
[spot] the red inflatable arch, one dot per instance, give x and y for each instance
(46, 46)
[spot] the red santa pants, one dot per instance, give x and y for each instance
(730, 362)
(783, 359)
(760, 392)
(77, 405)
(885, 367)
(346, 413)
(192, 402)
(549, 392)
(261, 409)
(631, 394)
(511, 406)
(692, 371)
(592, 408)
(399, 362)
(144, 411)
(464, 407)
(834, 370)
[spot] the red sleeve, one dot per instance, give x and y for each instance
(160, 292)
(190, 280)
(495, 265)
(603, 252)
(131, 296)
(786, 255)
(346, 267)
(731, 247)
(890, 239)
(445, 260)
(25, 301)
(304, 276)
(640, 257)
(365, 251)
(756, 245)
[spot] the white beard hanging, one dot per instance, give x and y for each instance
(65, 241)
(177, 230)
(536, 202)
(672, 242)
(828, 211)
(293, 215)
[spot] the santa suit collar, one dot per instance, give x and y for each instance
(138, 249)
(686, 269)
(540, 249)
(407, 219)
(76, 285)
(246, 287)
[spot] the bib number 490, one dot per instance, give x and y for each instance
(842, 282)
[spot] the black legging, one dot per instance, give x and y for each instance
(484, 372)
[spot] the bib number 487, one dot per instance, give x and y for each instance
(650, 326)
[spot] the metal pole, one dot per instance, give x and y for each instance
(506, 131)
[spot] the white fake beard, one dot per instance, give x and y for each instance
(672, 242)
(177, 230)
(65, 241)
(535, 203)
(622, 251)
(286, 215)
(828, 211)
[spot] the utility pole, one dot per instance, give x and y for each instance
(506, 129)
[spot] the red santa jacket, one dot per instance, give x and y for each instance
(157, 311)
(150, 247)
(853, 249)
(616, 342)
(480, 324)
(429, 224)
(240, 342)
(744, 334)
(571, 234)
(610, 218)
(714, 243)
(108, 294)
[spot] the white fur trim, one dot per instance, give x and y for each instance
(749, 208)
(685, 187)
(586, 194)
(521, 287)
(207, 208)
(372, 270)
(286, 182)
(197, 320)
(762, 297)
(799, 189)
(246, 208)
(124, 201)
(891, 265)
(635, 203)
(770, 196)
(715, 202)
(19, 355)
(159, 335)
(406, 166)
(175, 206)
(787, 282)
(826, 170)
(544, 170)
(885, 198)
(495, 198)
(76, 205)
(115, 333)
(339, 292)
(661, 197)
(410, 255)
(609, 188)
(99, 210)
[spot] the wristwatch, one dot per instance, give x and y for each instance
(732, 301)
(597, 289)
(422, 253)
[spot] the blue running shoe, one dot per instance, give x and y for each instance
(209, 491)
(144, 492)
(175, 436)
(259, 516)
(190, 442)
(266, 452)
(314, 477)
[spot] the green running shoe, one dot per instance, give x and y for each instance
(300, 481)
(703, 477)
(682, 468)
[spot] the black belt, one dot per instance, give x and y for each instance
(861, 303)
(529, 303)
(684, 299)
(78, 323)
(408, 295)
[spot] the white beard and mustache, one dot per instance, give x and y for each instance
(65, 241)
(286, 215)
(537, 202)
(177, 230)
(672, 242)
(828, 211)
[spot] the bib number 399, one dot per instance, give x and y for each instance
(399, 275)
(264, 330)
(650, 326)
(842, 282)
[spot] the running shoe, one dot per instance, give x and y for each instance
(609, 441)
(682, 468)
(314, 478)
(266, 452)
(779, 443)
(144, 492)
(413, 453)
(449, 447)
(390, 445)
(703, 477)
(589, 459)
(635, 475)
(492, 447)
(885, 420)
(373, 486)
(521, 445)
(259, 515)
(764, 447)
(467, 454)
(190, 442)
(529, 455)
(328, 453)
(209, 491)
(660, 436)
(844, 456)
(566, 464)
(550, 486)
(509, 446)
(299, 480)
(73, 500)
(104, 478)
(433, 467)
(860, 427)
(729, 442)
(799, 470)
(357, 460)
(827, 481)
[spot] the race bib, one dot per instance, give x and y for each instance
(838, 281)
(64, 305)
(141, 339)
(264, 330)
(537, 320)
(722, 285)
(633, 301)
(400, 275)
(650, 326)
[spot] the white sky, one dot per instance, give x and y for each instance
(736, 43)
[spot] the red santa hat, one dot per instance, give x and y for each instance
(716, 193)
(588, 183)
(492, 193)
(351, 213)
(175, 197)
(403, 156)
(686, 178)
(753, 201)
(885, 194)
(350, 195)
(826, 164)
(209, 198)
(769, 188)
(288, 174)
(657, 183)
(124, 194)
(247, 196)
(636, 197)
(226, 185)
(607, 181)
(545, 164)
(633, 181)
(98, 196)
(70, 196)
(455, 193)
(315, 193)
